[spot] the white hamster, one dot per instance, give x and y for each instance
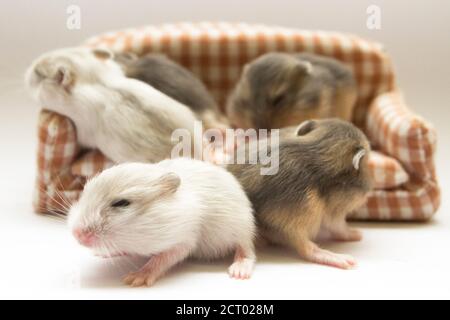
(167, 211)
(126, 119)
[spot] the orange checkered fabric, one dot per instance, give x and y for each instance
(402, 167)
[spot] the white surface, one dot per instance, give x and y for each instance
(40, 260)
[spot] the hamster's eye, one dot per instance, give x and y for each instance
(278, 100)
(102, 54)
(59, 77)
(120, 203)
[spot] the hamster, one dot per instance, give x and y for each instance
(323, 175)
(167, 211)
(177, 82)
(280, 90)
(126, 119)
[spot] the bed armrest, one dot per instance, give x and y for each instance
(56, 186)
(396, 131)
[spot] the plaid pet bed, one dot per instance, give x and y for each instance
(402, 166)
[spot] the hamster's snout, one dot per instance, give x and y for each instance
(33, 77)
(85, 237)
(39, 74)
(46, 70)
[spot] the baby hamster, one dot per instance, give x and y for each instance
(126, 119)
(167, 211)
(280, 90)
(175, 81)
(323, 176)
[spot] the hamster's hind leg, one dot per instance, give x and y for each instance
(157, 266)
(336, 223)
(244, 261)
(345, 233)
(311, 252)
(339, 229)
(307, 226)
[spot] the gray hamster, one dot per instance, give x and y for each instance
(280, 90)
(175, 81)
(323, 176)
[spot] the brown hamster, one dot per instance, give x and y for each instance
(323, 175)
(175, 81)
(280, 90)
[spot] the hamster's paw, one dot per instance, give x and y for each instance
(351, 235)
(241, 269)
(354, 235)
(139, 279)
(328, 258)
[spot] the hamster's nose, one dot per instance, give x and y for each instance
(84, 237)
(34, 77)
(39, 73)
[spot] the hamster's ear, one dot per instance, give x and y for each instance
(358, 157)
(167, 184)
(307, 67)
(305, 127)
(164, 186)
(302, 68)
(102, 53)
(64, 77)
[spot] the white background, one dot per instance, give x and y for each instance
(38, 258)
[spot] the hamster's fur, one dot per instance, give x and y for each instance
(175, 81)
(323, 176)
(280, 90)
(168, 212)
(126, 119)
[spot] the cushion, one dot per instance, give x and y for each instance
(386, 172)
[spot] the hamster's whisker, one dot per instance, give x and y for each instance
(107, 246)
(66, 201)
(104, 248)
(61, 204)
(126, 240)
(53, 198)
(63, 201)
(124, 258)
(57, 215)
(53, 214)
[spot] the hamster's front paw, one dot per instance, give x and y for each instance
(140, 278)
(241, 269)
